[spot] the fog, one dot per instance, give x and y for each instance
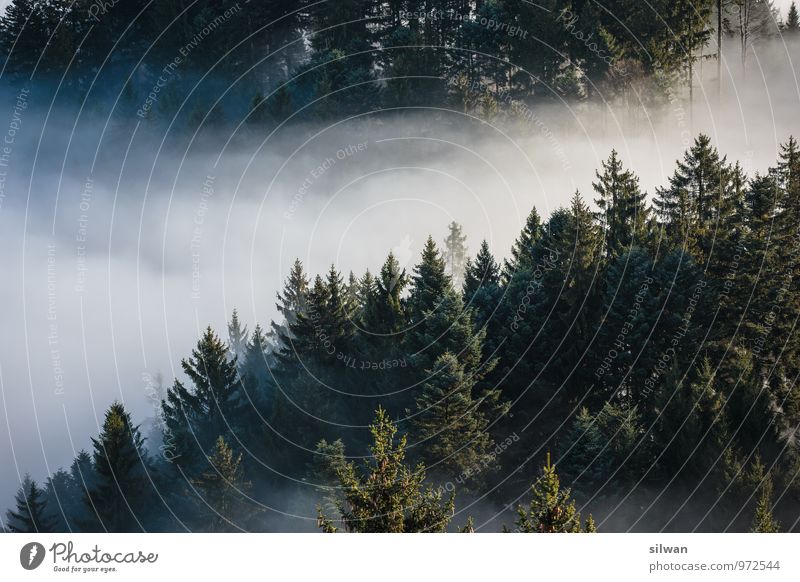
(121, 242)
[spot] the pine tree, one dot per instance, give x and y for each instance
(383, 296)
(688, 207)
(623, 207)
(551, 510)
(194, 416)
(578, 247)
(389, 496)
(482, 293)
(450, 425)
(237, 337)
(255, 371)
(428, 283)
(585, 457)
(32, 514)
(693, 426)
(763, 519)
(624, 352)
(523, 249)
(337, 315)
(792, 25)
(223, 491)
(455, 253)
(291, 302)
(120, 497)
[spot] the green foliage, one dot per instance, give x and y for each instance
(655, 357)
(31, 515)
(195, 416)
(121, 496)
(223, 492)
(763, 519)
(623, 208)
(551, 509)
(451, 422)
(388, 496)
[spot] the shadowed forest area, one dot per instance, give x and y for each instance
(630, 364)
(645, 355)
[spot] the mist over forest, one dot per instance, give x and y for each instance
(167, 164)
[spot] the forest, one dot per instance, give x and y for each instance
(314, 60)
(630, 365)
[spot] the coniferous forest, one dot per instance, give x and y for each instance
(629, 364)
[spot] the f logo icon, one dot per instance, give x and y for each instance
(31, 555)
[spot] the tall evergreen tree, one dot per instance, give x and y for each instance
(223, 492)
(522, 251)
(482, 290)
(455, 253)
(389, 496)
(551, 510)
(32, 514)
(792, 24)
(688, 207)
(291, 302)
(428, 283)
(623, 207)
(194, 416)
(237, 337)
(121, 497)
(763, 519)
(450, 424)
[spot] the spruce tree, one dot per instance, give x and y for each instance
(32, 514)
(120, 498)
(523, 249)
(455, 253)
(481, 289)
(291, 302)
(223, 492)
(388, 496)
(792, 24)
(574, 302)
(624, 352)
(237, 337)
(763, 519)
(688, 207)
(195, 415)
(623, 208)
(383, 296)
(428, 283)
(449, 424)
(551, 509)
(585, 457)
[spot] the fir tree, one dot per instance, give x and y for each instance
(450, 425)
(551, 510)
(194, 415)
(429, 283)
(237, 337)
(291, 302)
(384, 312)
(223, 491)
(688, 207)
(389, 496)
(585, 456)
(523, 249)
(623, 208)
(792, 24)
(120, 497)
(455, 253)
(481, 288)
(32, 513)
(763, 519)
